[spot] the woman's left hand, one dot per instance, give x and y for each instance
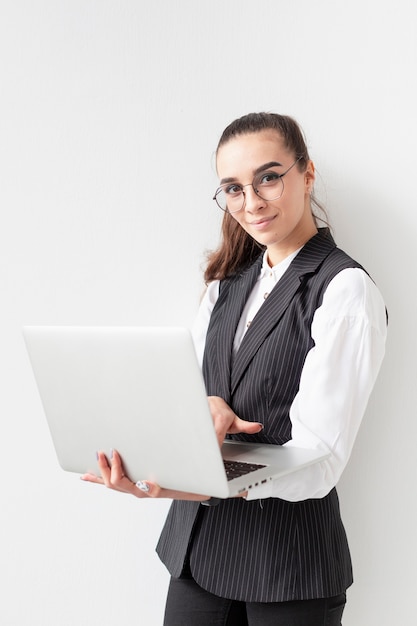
(113, 477)
(226, 421)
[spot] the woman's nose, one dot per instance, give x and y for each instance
(252, 201)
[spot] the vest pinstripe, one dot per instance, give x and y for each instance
(281, 550)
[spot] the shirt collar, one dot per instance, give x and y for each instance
(277, 270)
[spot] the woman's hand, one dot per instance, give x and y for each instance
(226, 421)
(113, 477)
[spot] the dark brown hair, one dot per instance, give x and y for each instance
(237, 249)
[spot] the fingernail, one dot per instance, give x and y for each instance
(143, 486)
(111, 453)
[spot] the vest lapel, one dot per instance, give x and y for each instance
(235, 296)
(274, 307)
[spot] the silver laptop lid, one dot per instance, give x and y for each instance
(138, 390)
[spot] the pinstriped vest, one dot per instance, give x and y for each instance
(281, 550)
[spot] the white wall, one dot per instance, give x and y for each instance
(100, 101)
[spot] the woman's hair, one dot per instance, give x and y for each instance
(237, 249)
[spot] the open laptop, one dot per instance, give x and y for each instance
(141, 392)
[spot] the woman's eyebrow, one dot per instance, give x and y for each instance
(266, 166)
(259, 169)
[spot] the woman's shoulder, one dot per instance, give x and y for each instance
(352, 292)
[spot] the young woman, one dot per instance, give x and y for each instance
(291, 334)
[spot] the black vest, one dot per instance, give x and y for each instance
(270, 550)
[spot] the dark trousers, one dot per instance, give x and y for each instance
(190, 605)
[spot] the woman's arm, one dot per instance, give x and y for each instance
(349, 331)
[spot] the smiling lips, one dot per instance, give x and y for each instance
(262, 223)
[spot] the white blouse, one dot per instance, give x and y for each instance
(349, 331)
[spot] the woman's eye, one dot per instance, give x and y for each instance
(233, 189)
(269, 178)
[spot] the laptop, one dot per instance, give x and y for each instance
(141, 391)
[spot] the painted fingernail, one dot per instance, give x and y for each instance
(143, 486)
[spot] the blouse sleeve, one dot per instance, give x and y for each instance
(202, 320)
(349, 333)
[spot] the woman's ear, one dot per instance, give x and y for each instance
(309, 177)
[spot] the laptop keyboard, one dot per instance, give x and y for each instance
(234, 469)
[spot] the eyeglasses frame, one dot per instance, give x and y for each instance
(280, 177)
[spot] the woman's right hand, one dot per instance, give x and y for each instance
(227, 422)
(113, 477)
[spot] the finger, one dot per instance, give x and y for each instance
(242, 426)
(104, 467)
(147, 489)
(112, 476)
(92, 478)
(224, 422)
(112, 472)
(118, 480)
(117, 472)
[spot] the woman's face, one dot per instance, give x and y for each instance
(282, 225)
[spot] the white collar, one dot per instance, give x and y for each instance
(277, 270)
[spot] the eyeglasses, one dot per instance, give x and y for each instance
(268, 185)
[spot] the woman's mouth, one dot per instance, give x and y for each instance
(262, 223)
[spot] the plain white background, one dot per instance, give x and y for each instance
(109, 115)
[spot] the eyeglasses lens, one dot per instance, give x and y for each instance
(267, 187)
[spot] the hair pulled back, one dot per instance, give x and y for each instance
(237, 249)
